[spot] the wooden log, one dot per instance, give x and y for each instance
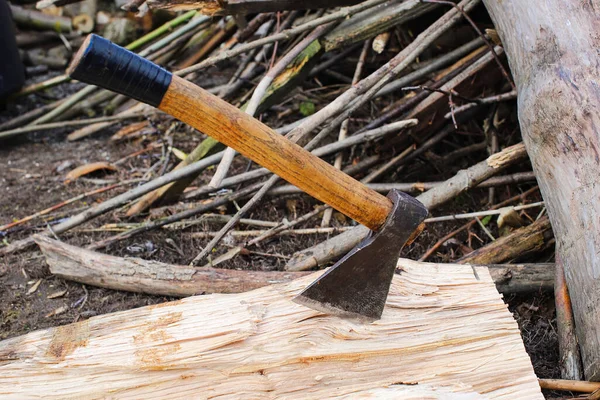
(36, 20)
(523, 240)
(419, 187)
(442, 335)
(373, 21)
(152, 277)
(241, 7)
(522, 278)
(552, 48)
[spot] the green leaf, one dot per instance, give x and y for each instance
(307, 108)
(486, 220)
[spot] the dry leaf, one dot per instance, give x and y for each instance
(58, 311)
(339, 217)
(88, 169)
(292, 205)
(129, 130)
(35, 287)
(55, 295)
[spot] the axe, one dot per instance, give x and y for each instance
(356, 286)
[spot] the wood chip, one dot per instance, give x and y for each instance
(58, 311)
(129, 130)
(508, 216)
(507, 156)
(35, 287)
(88, 169)
(493, 34)
(58, 294)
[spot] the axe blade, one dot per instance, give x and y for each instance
(357, 286)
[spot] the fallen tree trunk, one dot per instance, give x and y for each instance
(442, 335)
(552, 49)
(145, 276)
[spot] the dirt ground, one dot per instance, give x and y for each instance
(32, 178)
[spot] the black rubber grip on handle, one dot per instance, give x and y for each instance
(102, 63)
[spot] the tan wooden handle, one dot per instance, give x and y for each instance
(236, 129)
(105, 64)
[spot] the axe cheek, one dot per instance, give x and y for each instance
(357, 285)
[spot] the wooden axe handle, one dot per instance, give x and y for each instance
(105, 64)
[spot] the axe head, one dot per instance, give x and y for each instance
(357, 285)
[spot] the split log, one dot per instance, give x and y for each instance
(442, 335)
(145, 276)
(552, 49)
(152, 277)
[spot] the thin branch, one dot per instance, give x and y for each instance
(487, 41)
(64, 124)
(486, 100)
(443, 240)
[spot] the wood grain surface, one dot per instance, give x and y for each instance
(445, 334)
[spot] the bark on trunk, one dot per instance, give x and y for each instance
(552, 47)
(524, 240)
(445, 333)
(153, 277)
(522, 278)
